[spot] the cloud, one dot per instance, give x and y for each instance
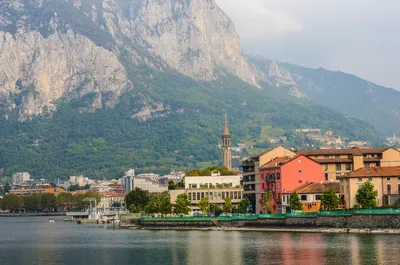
(358, 36)
(255, 20)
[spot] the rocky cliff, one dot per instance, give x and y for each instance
(69, 49)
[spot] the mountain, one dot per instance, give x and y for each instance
(97, 86)
(343, 92)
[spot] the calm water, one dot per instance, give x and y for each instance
(35, 241)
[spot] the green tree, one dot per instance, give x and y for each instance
(74, 187)
(268, 201)
(138, 197)
(12, 202)
(134, 209)
(182, 204)
(204, 205)
(295, 202)
(171, 185)
(227, 208)
(154, 205)
(7, 188)
(244, 206)
(86, 187)
(329, 200)
(1, 191)
(165, 205)
(32, 203)
(48, 201)
(366, 195)
(65, 201)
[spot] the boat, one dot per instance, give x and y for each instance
(51, 220)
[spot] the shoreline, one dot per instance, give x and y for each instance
(277, 229)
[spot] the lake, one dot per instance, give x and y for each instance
(33, 240)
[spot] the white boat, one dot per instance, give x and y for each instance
(51, 220)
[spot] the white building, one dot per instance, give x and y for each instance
(19, 178)
(80, 180)
(214, 181)
(144, 182)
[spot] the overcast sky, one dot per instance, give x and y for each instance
(361, 37)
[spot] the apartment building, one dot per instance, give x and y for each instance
(284, 174)
(386, 181)
(251, 174)
(338, 162)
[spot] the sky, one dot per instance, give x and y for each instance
(360, 37)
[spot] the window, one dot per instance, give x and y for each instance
(278, 176)
(231, 195)
(273, 176)
(348, 166)
(190, 186)
(338, 167)
(359, 179)
(194, 196)
(387, 178)
(194, 186)
(198, 196)
(239, 195)
(326, 156)
(367, 164)
(219, 195)
(317, 197)
(326, 167)
(337, 156)
(388, 189)
(398, 178)
(284, 198)
(202, 195)
(300, 181)
(190, 195)
(370, 179)
(398, 188)
(304, 197)
(300, 171)
(262, 176)
(235, 195)
(326, 176)
(223, 195)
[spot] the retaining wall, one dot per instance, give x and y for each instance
(349, 221)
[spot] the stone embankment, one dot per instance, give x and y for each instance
(384, 223)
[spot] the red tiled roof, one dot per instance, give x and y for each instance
(314, 188)
(374, 172)
(349, 151)
(280, 161)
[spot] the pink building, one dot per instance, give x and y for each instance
(283, 174)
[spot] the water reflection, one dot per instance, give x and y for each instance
(35, 241)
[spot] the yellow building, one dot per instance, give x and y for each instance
(338, 162)
(251, 176)
(386, 181)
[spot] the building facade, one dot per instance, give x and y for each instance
(338, 162)
(226, 147)
(284, 174)
(386, 181)
(110, 199)
(310, 195)
(251, 175)
(19, 178)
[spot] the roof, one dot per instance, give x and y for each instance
(276, 162)
(226, 128)
(350, 151)
(280, 161)
(374, 172)
(314, 187)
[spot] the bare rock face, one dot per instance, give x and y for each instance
(72, 49)
(193, 37)
(42, 70)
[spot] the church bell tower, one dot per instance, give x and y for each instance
(226, 146)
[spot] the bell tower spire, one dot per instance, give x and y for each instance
(226, 146)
